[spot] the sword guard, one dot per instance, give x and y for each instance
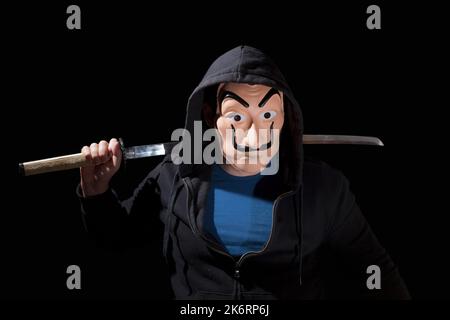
(124, 159)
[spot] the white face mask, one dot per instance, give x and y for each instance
(249, 124)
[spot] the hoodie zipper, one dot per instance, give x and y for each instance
(274, 208)
(212, 245)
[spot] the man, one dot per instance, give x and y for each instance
(229, 229)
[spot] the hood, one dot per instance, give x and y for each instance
(245, 64)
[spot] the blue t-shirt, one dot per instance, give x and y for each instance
(234, 215)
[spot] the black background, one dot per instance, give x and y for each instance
(128, 73)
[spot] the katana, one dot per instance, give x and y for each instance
(78, 160)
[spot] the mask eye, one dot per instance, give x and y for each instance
(235, 117)
(267, 115)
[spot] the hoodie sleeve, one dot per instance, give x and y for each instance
(351, 238)
(114, 223)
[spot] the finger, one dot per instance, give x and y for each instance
(86, 151)
(88, 171)
(94, 153)
(103, 152)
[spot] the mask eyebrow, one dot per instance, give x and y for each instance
(229, 94)
(268, 96)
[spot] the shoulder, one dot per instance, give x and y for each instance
(319, 173)
(324, 184)
(326, 192)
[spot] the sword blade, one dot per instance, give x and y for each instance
(341, 139)
(149, 150)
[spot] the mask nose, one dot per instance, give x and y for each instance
(251, 138)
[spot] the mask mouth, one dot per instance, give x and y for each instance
(249, 149)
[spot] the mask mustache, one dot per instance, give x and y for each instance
(250, 149)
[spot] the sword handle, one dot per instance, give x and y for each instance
(67, 162)
(71, 161)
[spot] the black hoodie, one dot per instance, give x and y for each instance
(317, 226)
